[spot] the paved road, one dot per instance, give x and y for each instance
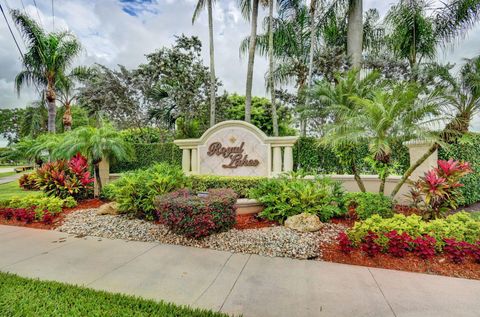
(11, 178)
(233, 283)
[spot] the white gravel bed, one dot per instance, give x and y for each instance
(272, 241)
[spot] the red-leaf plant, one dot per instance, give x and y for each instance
(345, 243)
(434, 193)
(398, 244)
(424, 246)
(457, 251)
(370, 245)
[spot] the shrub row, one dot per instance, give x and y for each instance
(148, 154)
(460, 226)
(366, 205)
(239, 184)
(34, 208)
(193, 216)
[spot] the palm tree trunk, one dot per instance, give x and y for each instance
(52, 108)
(381, 190)
(270, 77)
(313, 33)
(98, 179)
(355, 33)
(413, 167)
(212, 65)
(67, 117)
(357, 177)
(251, 59)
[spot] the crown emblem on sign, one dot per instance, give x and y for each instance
(232, 139)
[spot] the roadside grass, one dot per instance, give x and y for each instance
(12, 189)
(5, 174)
(28, 297)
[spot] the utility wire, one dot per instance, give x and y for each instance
(38, 13)
(53, 15)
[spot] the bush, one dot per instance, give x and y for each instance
(135, 191)
(467, 149)
(29, 181)
(34, 208)
(239, 184)
(288, 196)
(195, 217)
(148, 154)
(459, 226)
(368, 204)
(66, 178)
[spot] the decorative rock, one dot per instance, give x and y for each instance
(108, 209)
(304, 222)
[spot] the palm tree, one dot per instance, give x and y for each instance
(418, 28)
(200, 6)
(355, 33)
(249, 10)
(48, 56)
(336, 102)
(97, 144)
(65, 86)
(271, 84)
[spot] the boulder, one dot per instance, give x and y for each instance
(304, 222)
(108, 209)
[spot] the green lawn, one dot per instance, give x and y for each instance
(11, 189)
(28, 297)
(5, 174)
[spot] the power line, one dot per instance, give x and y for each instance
(53, 21)
(38, 13)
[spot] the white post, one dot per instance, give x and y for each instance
(186, 160)
(288, 159)
(194, 161)
(277, 160)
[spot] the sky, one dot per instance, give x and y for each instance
(116, 32)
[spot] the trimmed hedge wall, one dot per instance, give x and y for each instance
(467, 149)
(311, 156)
(147, 154)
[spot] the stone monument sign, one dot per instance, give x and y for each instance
(237, 148)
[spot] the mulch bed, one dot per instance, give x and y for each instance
(84, 204)
(252, 221)
(438, 265)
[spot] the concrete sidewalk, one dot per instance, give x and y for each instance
(234, 283)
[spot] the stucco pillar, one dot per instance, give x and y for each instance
(417, 149)
(186, 160)
(288, 159)
(277, 160)
(194, 161)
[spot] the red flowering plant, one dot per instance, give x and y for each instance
(437, 191)
(64, 178)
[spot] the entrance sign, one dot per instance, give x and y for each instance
(237, 148)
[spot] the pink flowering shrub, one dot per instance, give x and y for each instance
(195, 217)
(437, 191)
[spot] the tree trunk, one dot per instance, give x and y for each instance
(52, 108)
(357, 178)
(212, 65)
(413, 167)
(98, 179)
(381, 190)
(67, 117)
(355, 33)
(251, 59)
(270, 77)
(313, 12)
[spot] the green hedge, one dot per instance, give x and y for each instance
(467, 149)
(313, 157)
(148, 154)
(239, 184)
